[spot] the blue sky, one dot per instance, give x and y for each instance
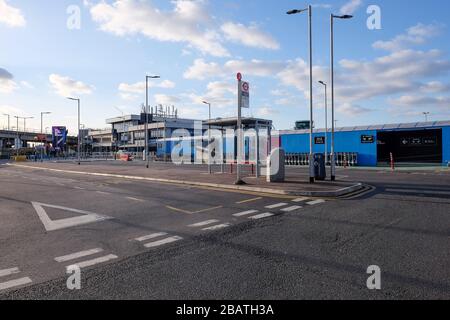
(382, 76)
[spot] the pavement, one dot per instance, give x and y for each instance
(140, 240)
(197, 175)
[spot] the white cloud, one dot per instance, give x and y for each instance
(66, 87)
(410, 101)
(11, 16)
(166, 99)
(201, 70)
(415, 35)
(435, 86)
(352, 109)
(266, 112)
(7, 84)
(350, 7)
(186, 23)
(133, 91)
(249, 35)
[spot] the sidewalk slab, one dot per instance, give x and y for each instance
(195, 176)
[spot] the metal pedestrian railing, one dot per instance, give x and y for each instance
(343, 159)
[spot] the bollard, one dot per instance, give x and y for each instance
(392, 162)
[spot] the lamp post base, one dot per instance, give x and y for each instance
(311, 180)
(240, 182)
(333, 178)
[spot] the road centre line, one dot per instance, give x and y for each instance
(217, 227)
(162, 242)
(8, 272)
(245, 213)
(135, 199)
(278, 205)
(15, 283)
(204, 223)
(93, 262)
(151, 236)
(262, 216)
(78, 255)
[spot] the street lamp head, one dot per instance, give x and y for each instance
(295, 11)
(153, 77)
(74, 99)
(345, 16)
(323, 83)
(205, 102)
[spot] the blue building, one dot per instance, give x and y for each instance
(409, 143)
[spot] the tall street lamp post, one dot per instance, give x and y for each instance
(426, 114)
(146, 156)
(79, 135)
(42, 132)
(209, 137)
(5, 114)
(311, 162)
(333, 162)
(326, 122)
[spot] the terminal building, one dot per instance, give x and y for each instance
(423, 142)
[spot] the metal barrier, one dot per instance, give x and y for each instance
(342, 159)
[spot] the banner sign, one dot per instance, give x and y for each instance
(59, 137)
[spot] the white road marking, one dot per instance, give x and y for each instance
(77, 255)
(135, 199)
(93, 262)
(162, 242)
(300, 199)
(218, 227)
(151, 236)
(418, 191)
(15, 283)
(312, 203)
(278, 205)
(52, 225)
(8, 272)
(102, 192)
(290, 209)
(245, 213)
(262, 216)
(202, 224)
(79, 188)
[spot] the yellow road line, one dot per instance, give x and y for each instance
(249, 200)
(193, 212)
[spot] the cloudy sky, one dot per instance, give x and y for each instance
(382, 76)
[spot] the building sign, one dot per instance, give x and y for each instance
(59, 137)
(427, 141)
(319, 140)
(245, 95)
(367, 139)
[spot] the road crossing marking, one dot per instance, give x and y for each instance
(311, 203)
(204, 223)
(15, 283)
(78, 255)
(217, 227)
(262, 216)
(102, 192)
(300, 199)
(8, 272)
(245, 213)
(12, 283)
(249, 200)
(278, 205)
(162, 242)
(93, 262)
(290, 209)
(151, 236)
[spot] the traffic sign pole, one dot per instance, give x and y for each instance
(239, 132)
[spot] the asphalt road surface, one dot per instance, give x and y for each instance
(141, 240)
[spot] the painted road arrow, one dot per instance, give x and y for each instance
(52, 225)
